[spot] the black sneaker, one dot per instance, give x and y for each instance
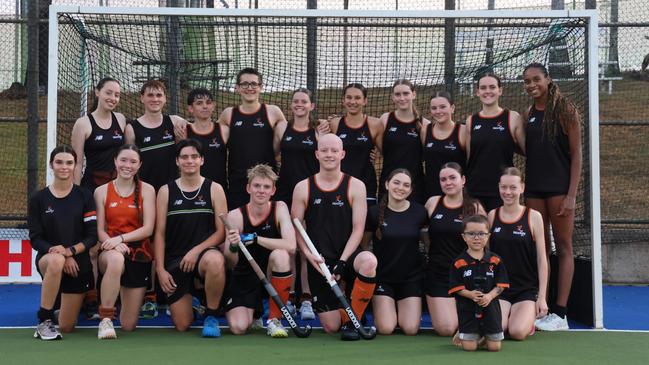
(348, 332)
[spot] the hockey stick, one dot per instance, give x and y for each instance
(367, 334)
(299, 331)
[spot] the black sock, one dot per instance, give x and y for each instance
(560, 311)
(45, 314)
(211, 312)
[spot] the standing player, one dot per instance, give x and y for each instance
(333, 205)
(395, 224)
(269, 223)
(492, 135)
(125, 220)
(98, 135)
(359, 134)
(154, 134)
(186, 235)
(446, 213)
(401, 139)
(295, 141)
(553, 171)
(251, 134)
(62, 228)
(477, 277)
(517, 237)
(212, 136)
(443, 141)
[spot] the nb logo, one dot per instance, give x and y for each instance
(466, 273)
(238, 123)
(532, 119)
(317, 201)
(146, 139)
(429, 144)
(288, 138)
(475, 128)
(439, 216)
(113, 205)
(497, 229)
(99, 138)
(343, 136)
(393, 129)
(178, 202)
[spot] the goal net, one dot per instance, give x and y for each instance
(325, 50)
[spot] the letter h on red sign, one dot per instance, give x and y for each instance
(24, 258)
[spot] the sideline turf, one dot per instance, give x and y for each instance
(165, 346)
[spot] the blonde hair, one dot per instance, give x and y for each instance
(263, 171)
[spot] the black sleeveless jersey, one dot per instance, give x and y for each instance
(158, 152)
(190, 219)
(358, 144)
(397, 251)
(250, 143)
(402, 149)
(513, 242)
(298, 161)
(100, 149)
(547, 168)
(446, 243)
(214, 150)
(492, 150)
(437, 152)
(328, 217)
(267, 227)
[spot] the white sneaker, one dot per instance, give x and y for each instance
(106, 330)
(552, 322)
(47, 331)
(306, 310)
(291, 308)
(257, 324)
(275, 329)
(539, 321)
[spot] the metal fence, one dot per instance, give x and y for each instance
(624, 42)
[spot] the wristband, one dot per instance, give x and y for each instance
(122, 238)
(248, 238)
(233, 248)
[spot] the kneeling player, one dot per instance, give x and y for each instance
(477, 277)
(268, 233)
(333, 206)
(186, 235)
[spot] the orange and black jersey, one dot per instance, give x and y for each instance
(123, 216)
(445, 233)
(437, 152)
(328, 217)
(158, 152)
(250, 143)
(465, 269)
(492, 150)
(100, 149)
(267, 227)
(547, 168)
(214, 153)
(514, 242)
(402, 149)
(190, 219)
(358, 144)
(63, 221)
(298, 161)
(397, 252)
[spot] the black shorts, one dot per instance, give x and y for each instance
(398, 291)
(436, 287)
(243, 289)
(490, 202)
(186, 282)
(541, 195)
(517, 296)
(489, 325)
(324, 299)
(84, 281)
(136, 274)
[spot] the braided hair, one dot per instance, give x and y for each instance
(560, 112)
(469, 205)
(136, 178)
(383, 203)
(415, 111)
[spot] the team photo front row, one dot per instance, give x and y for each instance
(198, 211)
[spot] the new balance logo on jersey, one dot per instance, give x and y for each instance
(392, 129)
(178, 202)
(429, 145)
(497, 229)
(238, 123)
(338, 202)
(438, 216)
(519, 231)
(288, 138)
(498, 127)
(146, 139)
(258, 123)
(451, 146)
(532, 120)
(49, 210)
(99, 138)
(343, 136)
(317, 201)
(384, 224)
(112, 205)
(467, 273)
(476, 127)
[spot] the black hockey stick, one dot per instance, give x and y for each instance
(368, 333)
(299, 331)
